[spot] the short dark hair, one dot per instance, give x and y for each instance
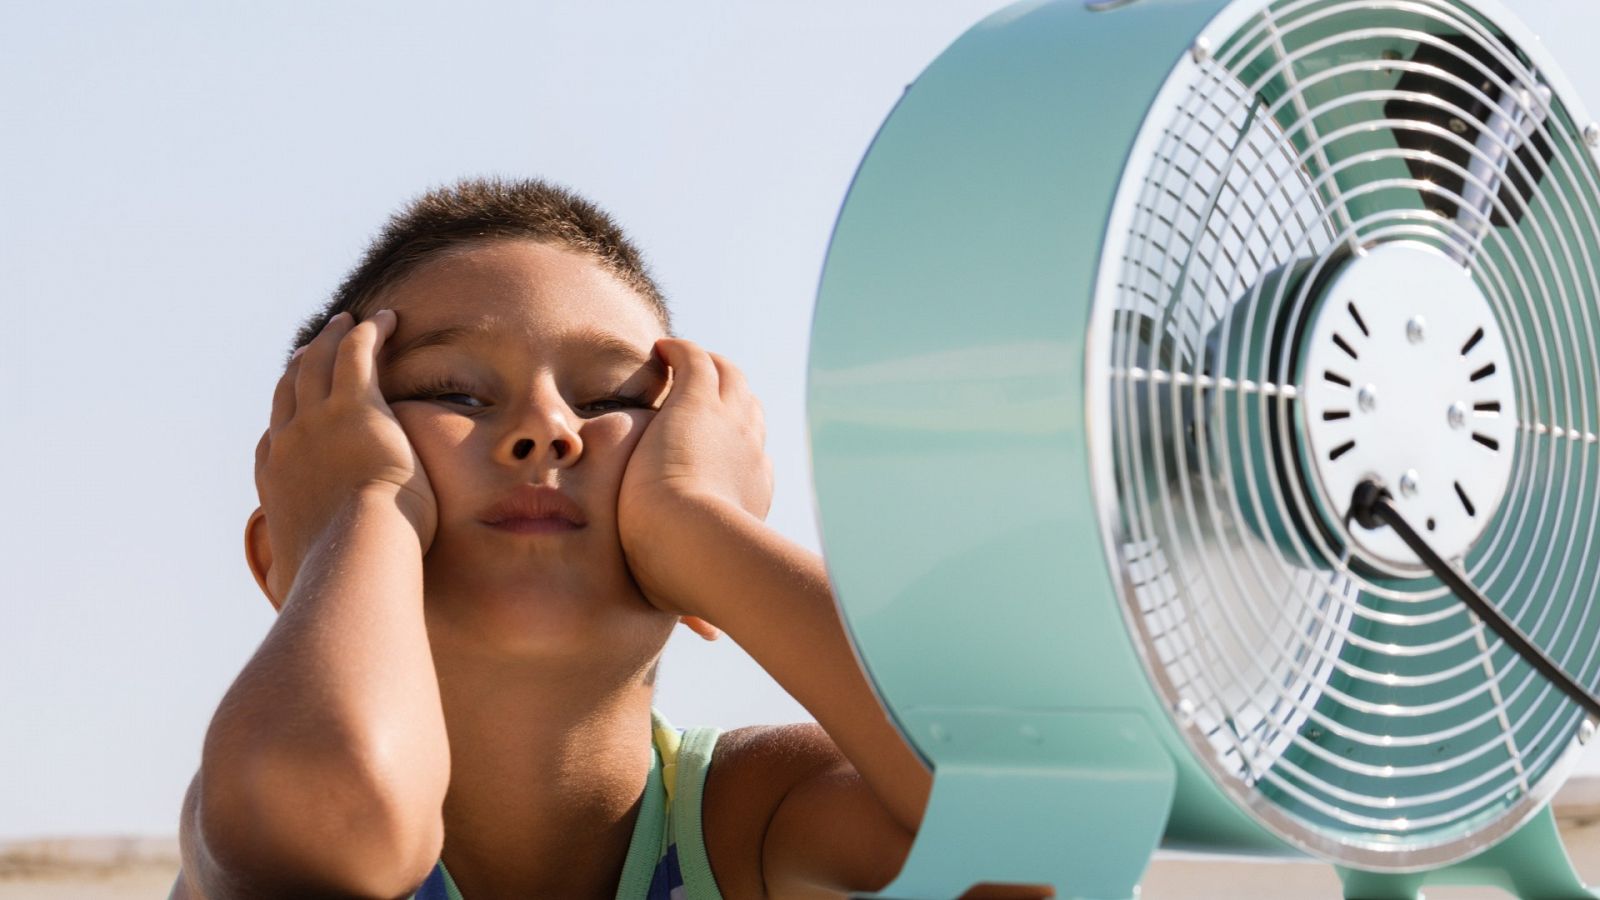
(476, 210)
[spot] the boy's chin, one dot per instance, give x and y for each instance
(560, 626)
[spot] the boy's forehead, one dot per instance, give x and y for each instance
(517, 292)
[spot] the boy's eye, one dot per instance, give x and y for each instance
(447, 392)
(612, 404)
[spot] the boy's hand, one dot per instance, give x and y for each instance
(702, 455)
(333, 436)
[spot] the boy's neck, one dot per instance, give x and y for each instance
(544, 767)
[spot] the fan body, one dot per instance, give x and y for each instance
(1079, 439)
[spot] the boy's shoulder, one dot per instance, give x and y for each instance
(760, 763)
(782, 803)
(752, 770)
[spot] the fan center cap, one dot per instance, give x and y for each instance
(1406, 380)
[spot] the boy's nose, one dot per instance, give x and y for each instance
(559, 448)
(544, 434)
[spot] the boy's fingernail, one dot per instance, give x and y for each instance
(297, 351)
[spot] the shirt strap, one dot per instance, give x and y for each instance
(649, 833)
(694, 761)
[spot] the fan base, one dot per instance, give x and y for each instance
(1532, 864)
(1024, 797)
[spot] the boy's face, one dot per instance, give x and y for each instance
(519, 366)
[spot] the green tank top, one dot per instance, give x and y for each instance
(667, 854)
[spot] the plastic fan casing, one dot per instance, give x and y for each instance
(950, 450)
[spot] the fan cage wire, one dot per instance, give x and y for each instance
(1154, 574)
(1564, 242)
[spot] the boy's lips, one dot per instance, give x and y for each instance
(530, 509)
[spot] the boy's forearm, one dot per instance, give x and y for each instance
(773, 597)
(337, 714)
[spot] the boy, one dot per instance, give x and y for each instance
(491, 485)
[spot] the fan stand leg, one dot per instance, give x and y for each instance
(1531, 864)
(1083, 814)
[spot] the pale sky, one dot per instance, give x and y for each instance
(184, 182)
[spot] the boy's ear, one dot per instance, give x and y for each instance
(701, 627)
(258, 552)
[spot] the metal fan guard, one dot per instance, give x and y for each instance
(1358, 714)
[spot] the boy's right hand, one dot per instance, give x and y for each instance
(331, 438)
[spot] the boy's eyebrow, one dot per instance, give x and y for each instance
(610, 348)
(438, 336)
(603, 344)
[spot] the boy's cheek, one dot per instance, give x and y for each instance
(427, 425)
(626, 432)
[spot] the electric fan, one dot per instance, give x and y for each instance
(1129, 306)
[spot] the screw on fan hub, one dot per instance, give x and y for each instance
(1406, 324)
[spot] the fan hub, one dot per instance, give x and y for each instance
(1407, 380)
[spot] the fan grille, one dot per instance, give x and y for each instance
(1362, 714)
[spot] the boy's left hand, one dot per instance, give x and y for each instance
(701, 456)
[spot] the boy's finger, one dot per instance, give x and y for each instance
(355, 364)
(693, 371)
(263, 447)
(387, 322)
(736, 394)
(758, 419)
(283, 394)
(263, 452)
(316, 364)
(730, 381)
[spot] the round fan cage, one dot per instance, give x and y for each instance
(1347, 697)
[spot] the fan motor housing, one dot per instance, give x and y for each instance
(1407, 382)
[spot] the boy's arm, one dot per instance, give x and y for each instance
(772, 597)
(326, 764)
(852, 798)
(691, 509)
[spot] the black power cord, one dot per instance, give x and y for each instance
(1372, 506)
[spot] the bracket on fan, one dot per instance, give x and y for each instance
(1531, 864)
(1075, 799)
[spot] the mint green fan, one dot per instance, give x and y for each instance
(1125, 301)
